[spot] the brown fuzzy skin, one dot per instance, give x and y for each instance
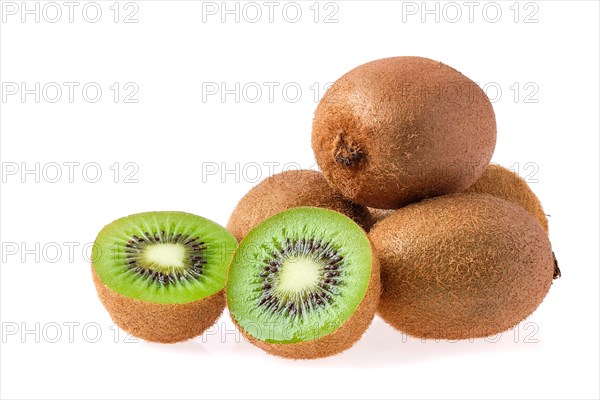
(461, 266)
(163, 323)
(500, 182)
(377, 214)
(289, 189)
(400, 129)
(336, 342)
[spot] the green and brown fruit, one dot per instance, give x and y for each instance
(290, 189)
(161, 275)
(304, 284)
(461, 266)
(396, 130)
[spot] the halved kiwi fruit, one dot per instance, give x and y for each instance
(400, 129)
(461, 266)
(161, 275)
(289, 189)
(500, 182)
(304, 283)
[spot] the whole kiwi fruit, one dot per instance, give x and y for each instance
(461, 266)
(501, 182)
(304, 283)
(396, 130)
(289, 189)
(161, 275)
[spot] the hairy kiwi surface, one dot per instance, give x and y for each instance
(400, 129)
(461, 266)
(294, 188)
(161, 275)
(500, 182)
(304, 283)
(377, 214)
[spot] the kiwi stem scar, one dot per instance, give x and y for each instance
(346, 153)
(557, 273)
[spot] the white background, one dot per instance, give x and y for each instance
(182, 148)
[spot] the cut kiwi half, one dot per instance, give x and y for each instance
(304, 283)
(161, 274)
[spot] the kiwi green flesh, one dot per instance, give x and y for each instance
(299, 275)
(165, 257)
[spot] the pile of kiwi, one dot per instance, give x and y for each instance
(407, 219)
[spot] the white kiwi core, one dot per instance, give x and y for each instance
(165, 255)
(298, 275)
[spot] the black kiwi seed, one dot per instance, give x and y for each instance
(323, 253)
(194, 262)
